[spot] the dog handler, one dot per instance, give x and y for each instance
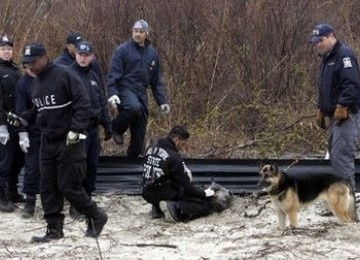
(338, 99)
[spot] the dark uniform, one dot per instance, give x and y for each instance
(61, 108)
(98, 115)
(66, 59)
(339, 83)
(166, 178)
(133, 68)
(31, 183)
(11, 156)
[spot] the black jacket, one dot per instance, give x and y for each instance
(23, 102)
(9, 75)
(98, 109)
(339, 81)
(163, 164)
(62, 101)
(66, 59)
(134, 67)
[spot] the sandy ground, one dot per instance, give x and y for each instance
(245, 231)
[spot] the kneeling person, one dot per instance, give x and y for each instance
(167, 181)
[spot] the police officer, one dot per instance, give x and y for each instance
(167, 182)
(29, 135)
(61, 109)
(98, 111)
(67, 57)
(134, 67)
(338, 99)
(11, 157)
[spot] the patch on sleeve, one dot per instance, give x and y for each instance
(347, 62)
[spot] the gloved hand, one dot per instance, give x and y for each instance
(114, 100)
(74, 137)
(108, 133)
(209, 192)
(15, 120)
(4, 134)
(165, 108)
(341, 113)
(188, 172)
(320, 119)
(24, 141)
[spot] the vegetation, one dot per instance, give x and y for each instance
(240, 73)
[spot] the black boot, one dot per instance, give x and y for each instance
(29, 209)
(156, 211)
(76, 214)
(14, 195)
(95, 223)
(54, 231)
(5, 204)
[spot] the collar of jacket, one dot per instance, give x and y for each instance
(147, 43)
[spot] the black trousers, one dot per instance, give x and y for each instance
(11, 160)
(92, 159)
(31, 185)
(63, 169)
(187, 207)
(133, 114)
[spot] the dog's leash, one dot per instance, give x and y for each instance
(296, 161)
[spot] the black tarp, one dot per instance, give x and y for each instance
(123, 175)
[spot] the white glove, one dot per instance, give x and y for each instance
(114, 100)
(74, 137)
(188, 172)
(209, 192)
(4, 134)
(24, 141)
(165, 108)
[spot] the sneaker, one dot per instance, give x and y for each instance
(118, 138)
(96, 223)
(169, 210)
(322, 209)
(156, 212)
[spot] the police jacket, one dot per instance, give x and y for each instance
(98, 102)
(9, 75)
(66, 59)
(134, 67)
(164, 165)
(61, 100)
(23, 102)
(339, 81)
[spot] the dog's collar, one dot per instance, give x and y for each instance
(281, 189)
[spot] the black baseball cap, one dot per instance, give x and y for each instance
(85, 47)
(74, 38)
(319, 31)
(5, 40)
(32, 51)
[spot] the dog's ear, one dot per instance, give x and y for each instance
(260, 164)
(274, 167)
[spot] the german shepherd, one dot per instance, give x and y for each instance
(288, 193)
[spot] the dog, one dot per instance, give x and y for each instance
(289, 192)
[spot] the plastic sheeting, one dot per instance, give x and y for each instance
(123, 175)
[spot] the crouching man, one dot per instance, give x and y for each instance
(167, 181)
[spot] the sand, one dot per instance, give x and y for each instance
(247, 230)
